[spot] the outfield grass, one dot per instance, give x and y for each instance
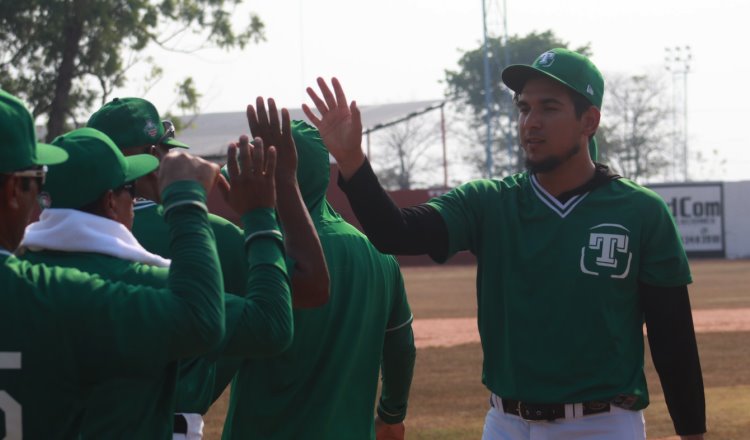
(448, 400)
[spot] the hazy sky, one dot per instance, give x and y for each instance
(392, 51)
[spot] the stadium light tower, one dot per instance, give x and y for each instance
(678, 59)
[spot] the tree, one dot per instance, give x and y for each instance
(465, 87)
(635, 137)
(52, 52)
(404, 157)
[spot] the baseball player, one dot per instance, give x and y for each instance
(572, 259)
(135, 127)
(324, 386)
(63, 331)
(87, 227)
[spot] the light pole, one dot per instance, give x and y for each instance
(678, 60)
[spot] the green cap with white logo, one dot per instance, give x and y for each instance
(132, 122)
(95, 165)
(18, 146)
(565, 66)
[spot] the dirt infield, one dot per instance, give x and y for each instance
(449, 332)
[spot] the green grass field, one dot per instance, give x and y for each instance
(448, 400)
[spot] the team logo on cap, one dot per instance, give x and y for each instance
(546, 59)
(590, 90)
(607, 251)
(150, 128)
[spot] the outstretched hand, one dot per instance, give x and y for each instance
(251, 176)
(265, 125)
(339, 124)
(178, 165)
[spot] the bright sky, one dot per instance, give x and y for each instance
(397, 50)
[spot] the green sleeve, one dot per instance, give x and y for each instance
(261, 322)
(461, 209)
(121, 328)
(399, 353)
(663, 259)
(230, 245)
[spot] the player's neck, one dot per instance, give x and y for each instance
(568, 176)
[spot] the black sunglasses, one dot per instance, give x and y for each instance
(129, 187)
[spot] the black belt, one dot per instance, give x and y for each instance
(180, 424)
(549, 411)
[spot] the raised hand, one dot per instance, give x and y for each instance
(178, 165)
(339, 124)
(251, 176)
(265, 125)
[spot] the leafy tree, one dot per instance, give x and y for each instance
(465, 87)
(635, 137)
(52, 52)
(404, 157)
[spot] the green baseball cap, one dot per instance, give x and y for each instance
(95, 165)
(18, 146)
(565, 66)
(132, 122)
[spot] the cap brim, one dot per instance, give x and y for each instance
(139, 165)
(516, 75)
(174, 143)
(50, 155)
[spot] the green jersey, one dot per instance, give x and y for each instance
(324, 386)
(257, 325)
(196, 384)
(63, 332)
(557, 284)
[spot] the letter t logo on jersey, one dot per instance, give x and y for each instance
(606, 252)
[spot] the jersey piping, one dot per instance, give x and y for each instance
(562, 209)
(408, 321)
(143, 204)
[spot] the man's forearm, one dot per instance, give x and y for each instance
(310, 281)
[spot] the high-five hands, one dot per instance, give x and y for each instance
(339, 124)
(251, 170)
(265, 125)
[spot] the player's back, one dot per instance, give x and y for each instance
(324, 386)
(38, 380)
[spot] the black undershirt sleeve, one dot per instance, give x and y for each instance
(671, 337)
(415, 230)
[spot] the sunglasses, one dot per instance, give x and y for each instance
(129, 187)
(169, 132)
(38, 173)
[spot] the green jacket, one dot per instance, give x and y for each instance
(64, 332)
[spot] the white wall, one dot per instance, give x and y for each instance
(737, 219)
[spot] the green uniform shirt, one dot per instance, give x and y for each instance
(257, 325)
(557, 283)
(324, 386)
(196, 387)
(63, 332)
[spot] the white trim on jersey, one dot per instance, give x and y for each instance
(562, 209)
(143, 204)
(408, 321)
(5, 252)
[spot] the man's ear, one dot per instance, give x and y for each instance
(109, 206)
(590, 120)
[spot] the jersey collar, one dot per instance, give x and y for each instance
(143, 204)
(562, 209)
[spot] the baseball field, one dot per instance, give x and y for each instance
(448, 400)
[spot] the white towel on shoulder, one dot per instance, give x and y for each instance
(70, 230)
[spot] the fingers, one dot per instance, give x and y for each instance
(356, 116)
(330, 99)
(321, 106)
(340, 96)
(270, 169)
(252, 121)
(260, 106)
(273, 116)
(311, 116)
(286, 123)
(233, 166)
(224, 187)
(245, 152)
